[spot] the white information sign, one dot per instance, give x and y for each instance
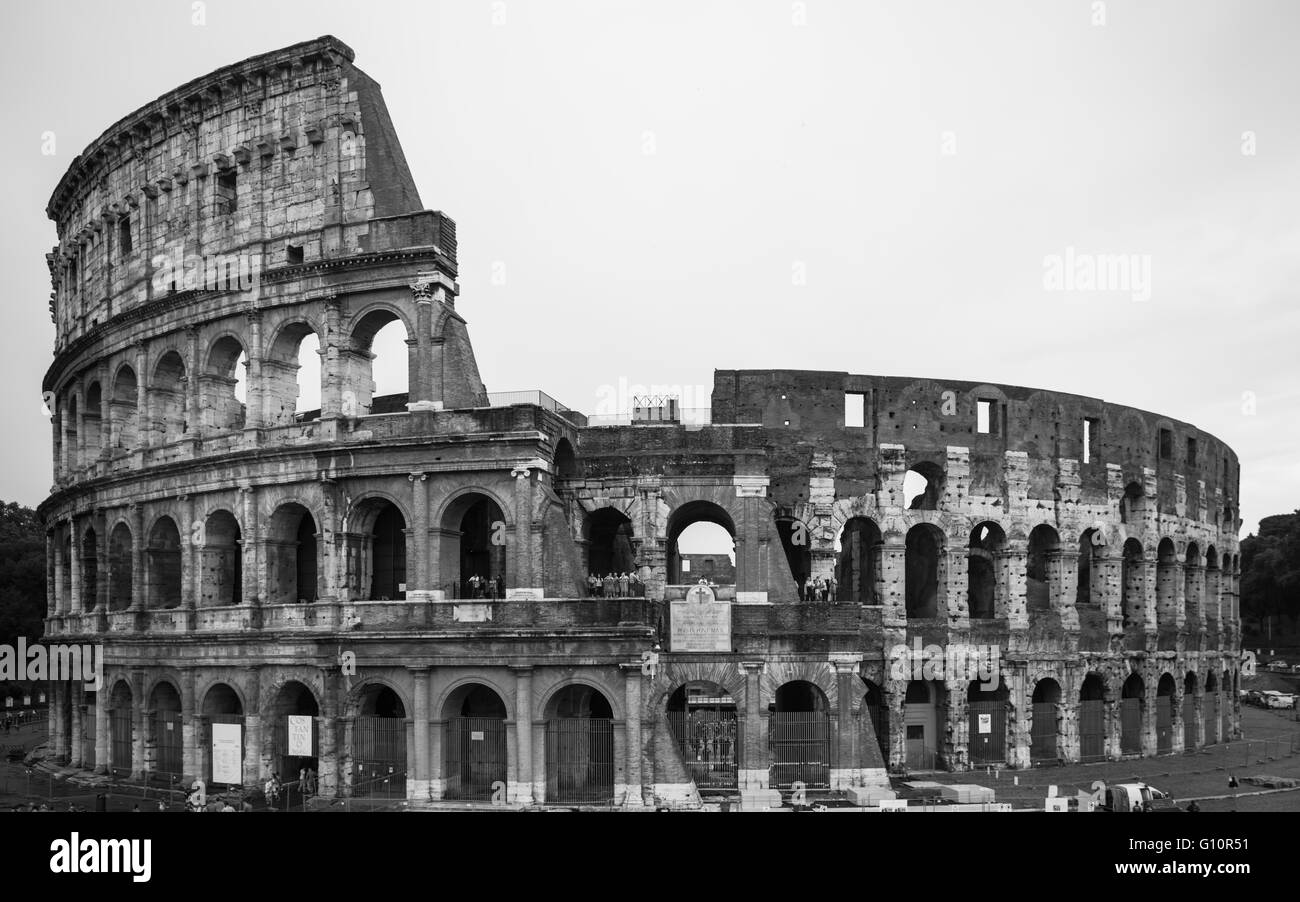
(227, 753)
(986, 723)
(300, 735)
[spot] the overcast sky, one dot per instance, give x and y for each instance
(647, 191)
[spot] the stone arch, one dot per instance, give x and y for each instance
(236, 692)
(352, 702)
(164, 577)
(675, 674)
(548, 696)
(281, 366)
(293, 546)
(219, 406)
(1133, 582)
(92, 422)
(474, 529)
(923, 486)
(124, 409)
(1042, 554)
(168, 399)
(121, 587)
(221, 570)
(817, 673)
(925, 570)
(454, 690)
(608, 535)
(683, 517)
(860, 545)
(357, 357)
(987, 541)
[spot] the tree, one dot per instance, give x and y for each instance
(1270, 568)
(22, 578)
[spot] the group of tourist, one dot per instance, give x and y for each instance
(486, 587)
(819, 588)
(615, 585)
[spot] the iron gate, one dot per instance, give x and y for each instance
(1130, 726)
(120, 735)
(1042, 744)
(710, 741)
(1092, 730)
(1164, 724)
(1189, 722)
(580, 761)
(476, 757)
(168, 738)
(988, 747)
(379, 756)
(800, 747)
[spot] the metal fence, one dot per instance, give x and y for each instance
(476, 757)
(1164, 724)
(1130, 726)
(802, 749)
(379, 756)
(1092, 730)
(1189, 721)
(580, 761)
(1042, 737)
(988, 732)
(710, 741)
(120, 736)
(169, 743)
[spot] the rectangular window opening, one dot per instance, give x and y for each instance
(227, 196)
(124, 235)
(1191, 452)
(855, 410)
(1166, 444)
(1091, 439)
(986, 417)
(293, 253)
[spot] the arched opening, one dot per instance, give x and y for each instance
(376, 366)
(1166, 582)
(91, 422)
(65, 573)
(164, 750)
(923, 711)
(566, 464)
(222, 576)
(120, 588)
(987, 713)
(473, 552)
(1189, 712)
(74, 446)
(1212, 585)
(167, 397)
(121, 733)
(292, 552)
(388, 555)
(295, 743)
(579, 747)
(857, 562)
(1089, 556)
(124, 410)
(1047, 720)
(476, 744)
(699, 531)
(221, 387)
(923, 571)
(1040, 565)
(796, 542)
(379, 765)
(923, 486)
(223, 720)
(987, 540)
(799, 737)
(1133, 577)
(1092, 719)
(1132, 710)
(609, 546)
(89, 570)
(1192, 576)
(1165, 715)
(702, 718)
(1210, 709)
(291, 375)
(878, 713)
(164, 565)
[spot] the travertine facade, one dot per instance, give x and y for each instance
(243, 562)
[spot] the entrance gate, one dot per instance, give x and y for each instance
(800, 746)
(379, 756)
(1092, 730)
(1164, 724)
(1042, 746)
(1189, 721)
(290, 765)
(169, 731)
(1130, 720)
(989, 745)
(580, 761)
(119, 727)
(709, 739)
(476, 757)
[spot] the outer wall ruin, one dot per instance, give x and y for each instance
(235, 556)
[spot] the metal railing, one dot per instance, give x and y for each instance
(535, 397)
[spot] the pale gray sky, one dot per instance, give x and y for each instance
(668, 187)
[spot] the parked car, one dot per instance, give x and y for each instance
(1273, 699)
(1137, 797)
(1278, 665)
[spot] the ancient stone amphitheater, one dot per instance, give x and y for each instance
(280, 590)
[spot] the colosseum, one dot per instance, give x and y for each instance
(393, 590)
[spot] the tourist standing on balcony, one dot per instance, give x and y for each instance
(622, 585)
(608, 586)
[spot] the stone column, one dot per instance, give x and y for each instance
(847, 768)
(255, 394)
(632, 734)
(250, 538)
(257, 766)
(142, 421)
(329, 751)
(1013, 574)
(138, 543)
(1063, 583)
(138, 705)
(189, 728)
(331, 381)
(56, 595)
(418, 787)
(957, 587)
(523, 790)
(74, 695)
(102, 751)
(753, 776)
(74, 603)
(417, 571)
(192, 367)
(520, 561)
(420, 373)
(893, 575)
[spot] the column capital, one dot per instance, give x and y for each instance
(753, 667)
(417, 477)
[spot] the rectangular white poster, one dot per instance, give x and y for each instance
(986, 723)
(300, 735)
(227, 753)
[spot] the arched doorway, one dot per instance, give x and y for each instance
(473, 545)
(388, 555)
(1092, 719)
(858, 561)
(923, 709)
(1042, 556)
(379, 764)
(222, 747)
(799, 737)
(121, 733)
(89, 570)
(168, 732)
(295, 740)
(699, 532)
(987, 540)
(609, 543)
(1210, 709)
(579, 747)
(924, 551)
(1132, 707)
(1189, 712)
(164, 565)
(796, 541)
(120, 588)
(923, 486)
(1165, 715)
(291, 556)
(987, 713)
(475, 767)
(702, 717)
(222, 577)
(1044, 736)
